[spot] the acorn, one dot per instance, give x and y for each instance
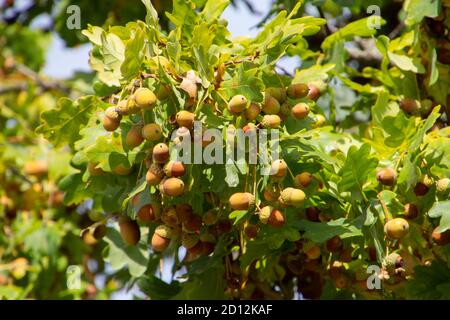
(170, 217)
(154, 175)
(93, 170)
(145, 98)
(252, 111)
(174, 169)
(312, 214)
(193, 225)
(300, 111)
(111, 120)
(277, 93)
(271, 121)
(411, 211)
(99, 231)
(161, 238)
(129, 230)
(148, 212)
(251, 231)
(172, 187)
(242, 201)
(276, 219)
(163, 91)
(441, 238)
(442, 184)
(279, 168)
(152, 132)
(297, 90)
(210, 217)
(408, 105)
(313, 92)
(396, 228)
(184, 211)
(207, 247)
(303, 179)
(319, 120)
(312, 250)
(134, 137)
(36, 168)
(161, 153)
(189, 240)
(292, 196)
(387, 176)
(270, 194)
(185, 119)
(180, 135)
(270, 105)
(237, 104)
(420, 189)
(249, 127)
(121, 170)
(334, 244)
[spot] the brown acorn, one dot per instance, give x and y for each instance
(276, 219)
(297, 90)
(270, 194)
(408, 105)
(334, 244)
(148, 213)
(161, 153)
(312, 214)
(420, 189)
(252, 111)
(99, 231)
(172, 187)
(303, 179)
(194, 224)
(411, 211)
(170, 217)
(174, 169)
(313, 92)
(121, 170)
(111, 120)
(129, 230)
(134, 137)
(184, 211)
(300, 111)
(387, 176)
(242, 201)
(279, 168)
(185, 119)
(154, 175)
(161, 238)
(441, 238)
(251, 231)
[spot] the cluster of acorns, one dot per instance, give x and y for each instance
(397, 228)
(179, 221)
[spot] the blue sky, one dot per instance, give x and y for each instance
(62, 61)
